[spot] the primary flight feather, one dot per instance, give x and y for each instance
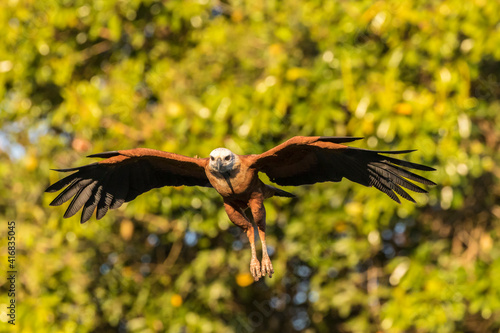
(125, 174)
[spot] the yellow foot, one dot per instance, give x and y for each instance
(267, 267)
(255, 269)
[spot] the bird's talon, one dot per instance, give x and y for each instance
(255, 269)
(267, 267)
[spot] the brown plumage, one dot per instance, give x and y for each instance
(125, 174)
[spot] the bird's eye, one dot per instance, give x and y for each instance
(211, 158)
(227, 158)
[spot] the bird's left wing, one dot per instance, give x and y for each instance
(122, 176)
(308, 160)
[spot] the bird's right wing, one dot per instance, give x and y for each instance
(122, 176)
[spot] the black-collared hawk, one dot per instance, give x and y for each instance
(122, 175)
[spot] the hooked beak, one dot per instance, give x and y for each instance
(219, 164)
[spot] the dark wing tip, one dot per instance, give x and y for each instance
(86, 214)
(106, 154)
(75, 168)
(67, 170)
(410, 198)
(429, 182)
(406, 151)
(428, 168)
(51, 189)
(66, 181)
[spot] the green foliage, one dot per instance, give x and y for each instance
(80, 77)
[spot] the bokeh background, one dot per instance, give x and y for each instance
(80, 77)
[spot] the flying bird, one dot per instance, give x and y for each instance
(124, 174)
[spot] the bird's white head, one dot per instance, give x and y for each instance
(223, 160)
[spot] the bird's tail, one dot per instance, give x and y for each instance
(273, 191)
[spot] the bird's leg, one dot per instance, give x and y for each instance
(259, 216)
(267, 266)
(254, 262)
(237, 216)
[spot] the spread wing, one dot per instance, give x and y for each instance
(122, 176)
(309, 160)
